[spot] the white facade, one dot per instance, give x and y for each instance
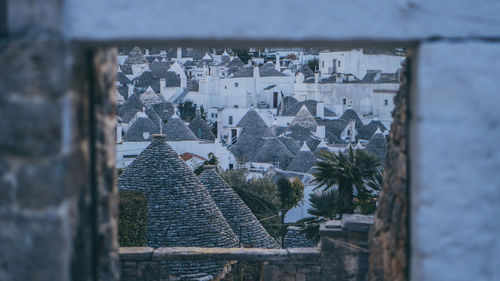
(370, 99)
(215, 90)
(356, 63)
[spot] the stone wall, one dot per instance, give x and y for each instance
(56, 193)
(342, 256)
(389, 238)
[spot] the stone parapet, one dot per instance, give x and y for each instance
(342, 255)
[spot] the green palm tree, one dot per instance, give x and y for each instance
(323, 207)
(349, 172)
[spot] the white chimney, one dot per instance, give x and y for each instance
(278, 65)
(339, 78)
(130, 89)
(147, 52)
(179, 53)
(352, 127)
(145, 135)
(316, 77)
(119, 132)
(320, 109)
(249, 62)
(256, 71)
(163, 87)
(320, 131)
(183, 82)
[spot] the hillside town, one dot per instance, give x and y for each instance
(190, 121)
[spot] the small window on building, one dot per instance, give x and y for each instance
(236, 84)
(215, 115)
(322, 64)
(348, 132)
(339, 63)
(230, 120)
(344, 101)
(231, 166)
(386, 102)
(236, 106)
(225, 87)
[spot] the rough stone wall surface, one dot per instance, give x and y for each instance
(45, 186)
(38, 160)
(389, 237)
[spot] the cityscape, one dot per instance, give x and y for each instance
(260, 129)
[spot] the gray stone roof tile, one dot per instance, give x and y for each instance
(303, 161)
(241, 219)
(200, 129)
(135, 57)
(181, 212)
(272, 150)
(137, 131)
(176, 130)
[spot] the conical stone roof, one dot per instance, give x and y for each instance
(250, 139)
(136, 57)
(349, 115)
(303, 161)
(272, 150)
(243, 222)
(180, 211)
(200, 128)
(252, 122)
(141, 130)
(290, 144)
(378, 146)
(176, 130)
(304, 118)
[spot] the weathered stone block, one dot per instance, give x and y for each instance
(27, 15)
(300, 277)
(148, 271)
(34, 248)
(315, 269)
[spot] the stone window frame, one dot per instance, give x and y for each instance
(464, 26)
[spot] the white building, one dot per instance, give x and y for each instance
(358, 61)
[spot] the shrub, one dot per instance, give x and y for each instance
(132, 219)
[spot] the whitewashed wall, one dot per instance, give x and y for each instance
(455, 159)
(362, 97)
(356, 63)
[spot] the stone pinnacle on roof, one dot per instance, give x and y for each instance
(181, 212)
(304, 147)
(241, 219)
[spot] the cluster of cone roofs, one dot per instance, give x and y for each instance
(189, 211)
(295, 147)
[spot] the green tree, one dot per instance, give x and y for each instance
(348, 171)
(291, 194)
(260, 195)
(212, 160)
(324, 206)
(243, 54)
(203, 113)
(132, 218)
(187, 110)
(313, 64)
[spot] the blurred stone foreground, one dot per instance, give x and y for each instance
(436, 218)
